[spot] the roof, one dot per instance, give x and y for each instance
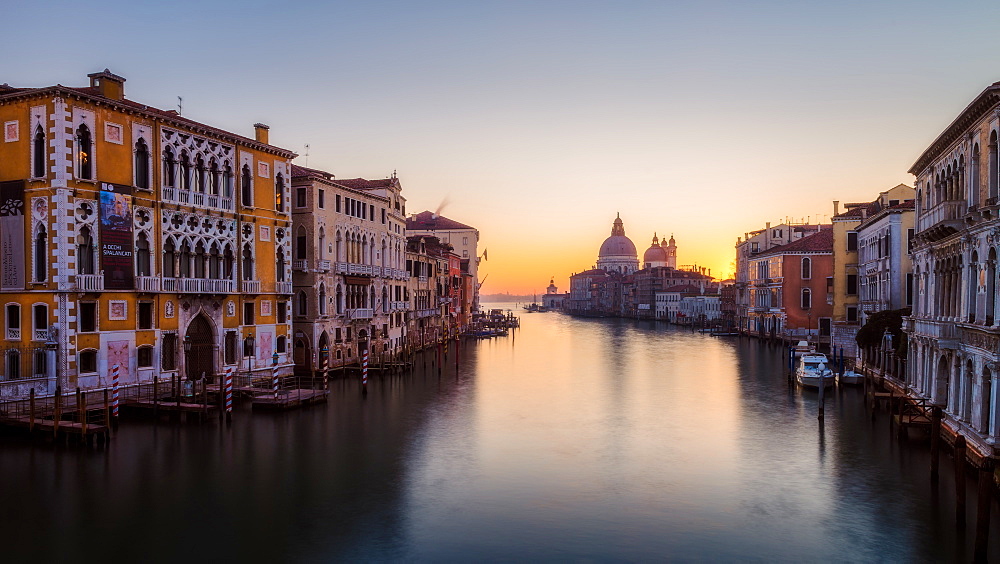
(682, 288)
(167, 115)
(815, 243)
(301, 171)
(430, 221)
(986, 100)
(362, 184)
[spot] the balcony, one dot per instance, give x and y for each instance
(360, 313)
(322, 266)
(251, 287)
(340, 267)
(200, 199)
(198, 286)
(283, 287)
(40, 335)
(147, 283)
(302, 265)
(941, 220)
(13, 334)
(361, 269)
(90, 282)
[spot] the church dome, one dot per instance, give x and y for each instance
(618, 245)
(655, 255)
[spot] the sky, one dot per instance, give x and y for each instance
(538, 122)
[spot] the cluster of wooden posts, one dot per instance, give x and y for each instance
(907, 412)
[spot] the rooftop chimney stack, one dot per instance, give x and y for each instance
(260, 132)
(110, 85)
(836, 207)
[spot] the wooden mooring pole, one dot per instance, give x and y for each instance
(935, 441)
(983, 510)
(31, 411)
(960, 481)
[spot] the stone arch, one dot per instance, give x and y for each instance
(200, 360)
(942, 378)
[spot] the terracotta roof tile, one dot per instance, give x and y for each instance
(362, 184)
(817, 242)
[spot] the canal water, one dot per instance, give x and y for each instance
(571, 439)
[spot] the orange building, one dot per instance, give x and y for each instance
(136, 241)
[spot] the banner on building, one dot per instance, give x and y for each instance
(116, 237)
(12, 265)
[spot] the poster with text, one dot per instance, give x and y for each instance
(12, 235)
(116, 237)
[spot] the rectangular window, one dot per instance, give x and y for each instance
(909, 289)
(13, 322)
(248, 313)
(852, 314)
(145, 357)
(282, 312)
(852, 284)
(145, 315)
(465, 240)
(280, 344)
(41, 317)
(909, 241)
(300, 197)
(338, 203)
(383, 216)
(88, 362)
(336, 335)
(348, 334)
(371, 212)
(230, 352)
(168, 352)
(321, 198)
(88, 317)
(852, 240)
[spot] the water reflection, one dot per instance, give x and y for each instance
(571, 439)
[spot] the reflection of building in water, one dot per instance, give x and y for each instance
(144, 230)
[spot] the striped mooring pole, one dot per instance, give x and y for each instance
(114, 391)
(229, 390)
(274, 384)
(364, 368)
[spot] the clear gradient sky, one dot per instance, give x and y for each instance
(538, 121)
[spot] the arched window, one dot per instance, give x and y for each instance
(185, 171)
(141, 164)
(991, 287)
(84, 153)
(84, 252)
(41, 255)
(12, 368)
(185, 263)
(974, 177)
(169, 259)
(87, 362)
(280, 266)
(303, 304)
(340, 299)
(300, 243)
(986, 414)
(227, 181)
(228, 260)
(320, 251)
(200, 172)
(322, 299)
(972, 288)
(38, 154)
(246, 188)
(214, 263)
(213, 174)
(279, 192)
(247, 262)
(806, 268)
(142, 257)
(339, 243)
(992, 165)
(199, 260)
(169, 172)
(806, 298)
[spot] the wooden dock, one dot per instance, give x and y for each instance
(288, 399)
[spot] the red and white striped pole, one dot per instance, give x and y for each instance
(364, 368)
(114, 391)
(229, 390)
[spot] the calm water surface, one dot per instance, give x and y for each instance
(573, 439)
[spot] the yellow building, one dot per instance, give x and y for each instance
(137, 241)
(846, 276)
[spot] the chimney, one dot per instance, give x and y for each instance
(864, 212)
(836, 207)
(260, 132)
(110, 85)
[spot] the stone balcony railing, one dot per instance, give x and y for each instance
(147, 283)
(300, 264)
(250, 286)
(944, 218)
(283, 287)
(90, 282)
(13, 334)
(322, 265)
(360, 313)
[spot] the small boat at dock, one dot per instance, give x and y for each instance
(850, 378)
(812, 371)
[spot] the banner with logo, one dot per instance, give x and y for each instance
(116, 237)
(12, 235)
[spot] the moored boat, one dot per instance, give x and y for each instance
(850, 378)
(812, 371)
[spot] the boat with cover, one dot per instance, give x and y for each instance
(812, 371)
(850, 378)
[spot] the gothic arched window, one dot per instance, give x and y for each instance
(84, 154)
(38, 155)
(141, 164)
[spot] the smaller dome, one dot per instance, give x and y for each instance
(653, 254)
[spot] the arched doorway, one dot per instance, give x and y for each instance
(301, 353)
(942, 382)
(324, 351)
(199, 361)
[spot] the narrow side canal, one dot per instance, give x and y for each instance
(570, 439)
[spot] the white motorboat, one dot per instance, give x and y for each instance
(812, 371)
(850, 378)
(800, 349)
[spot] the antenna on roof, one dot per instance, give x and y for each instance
(180, 105)
(307, 155)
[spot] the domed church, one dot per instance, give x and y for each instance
(660, 255)
(618, 253)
